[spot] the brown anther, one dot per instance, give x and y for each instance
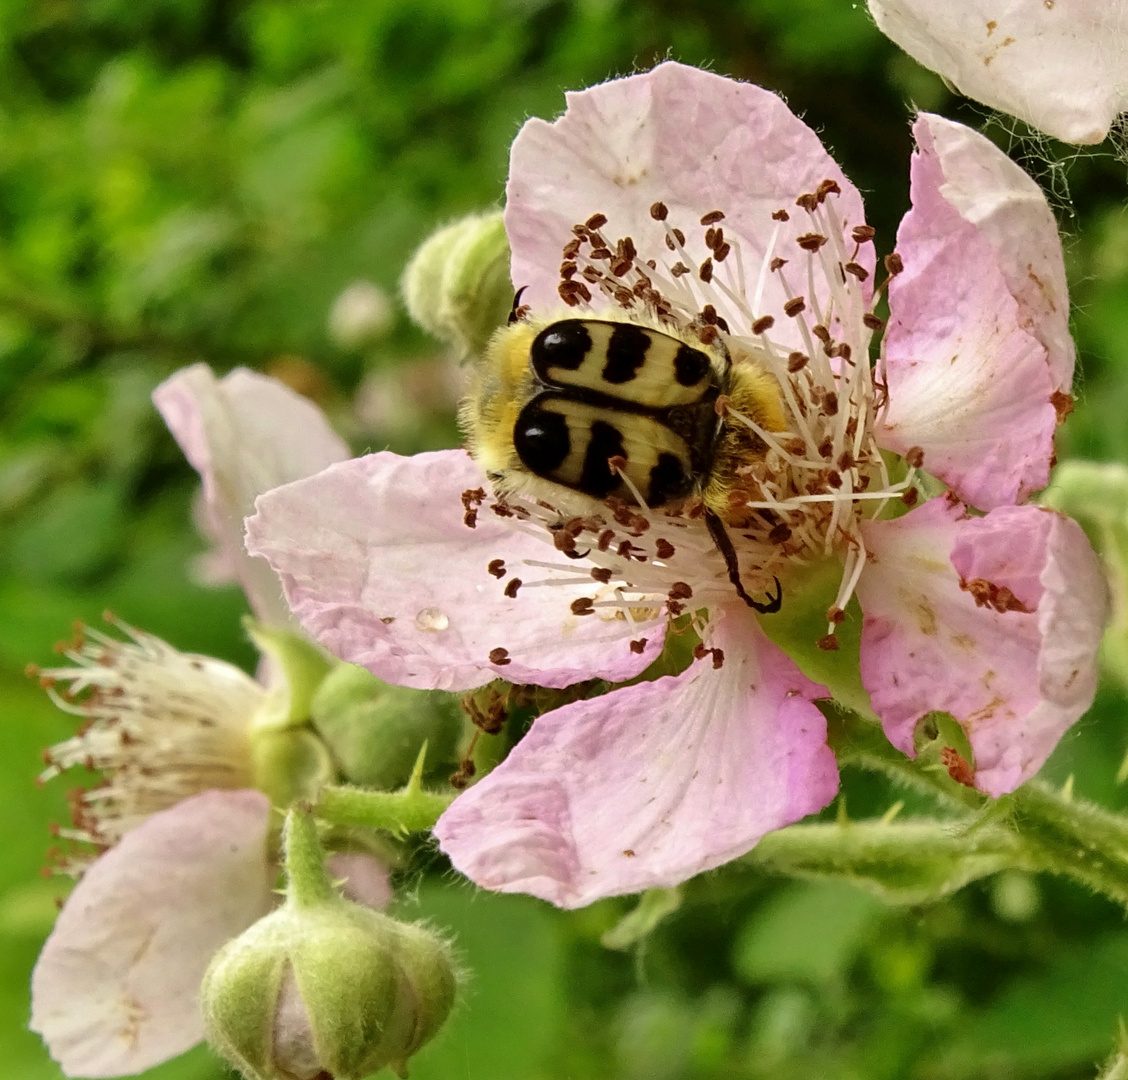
(959, 768)
(712, 217)
(680, 590)
(617, 464)
(858, 271)
(829, 643)
(721, 251)
(846, 461)
(463, 775)
(810, 241)
(711, 238)
(674, 608)
(1062, 403)
(834, 479)
(780, 534)
(580, 231)
(591, 273)
(652, 264)
(585, 605)
(809, 201)
(568, 270)
(500, 657)
(679, 236)
(826, 448)
(601, 574)
(915, 456)
(512, 587)
(796, 361)
(830, 404)
(626, 249)
(571, 249)
(573, 292)
(602, 253)
(639, 646)
(605, 538)
(624, 297)
(678, 269)
(621, 267)
(705, 271)
(827, 187)
(863, 233)
(872, 321)
(987, 594)
(781, 215)
(709, 315)
(663, 549)
(843, 350)
(894, 264)
(822, 333)
(707, 334)
(909, 496)
(776, 263)
(563, 541)
(596, 221)
(795, 306)
(851, 427)
(659, 211)
(835, 615)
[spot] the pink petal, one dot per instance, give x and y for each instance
(363, 877)
(976, 353)
(652, 783)
(1060, 67)
(245, 434)
(685, 137)
(114, 991)
(1015, 679)
(380, 568)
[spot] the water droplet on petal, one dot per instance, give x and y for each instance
(431, 618)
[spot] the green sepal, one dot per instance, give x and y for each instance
(374, 731)
(653, 906)
(301, 663)
(290, 764)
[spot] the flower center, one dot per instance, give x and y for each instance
(158, 724)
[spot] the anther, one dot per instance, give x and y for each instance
(659, 211)
(497, 568)
(712, 217)
(763, 324)
(894, 264)
(776, 264)
(915, 456)
(500, 656)
(827, 187)
(796, 361)
(585, 605)
(596, 221)
(810, 241)
(678, 269)
(795, 306)
(909, 496)
(809, 201)
(863, 233)
(829, 643)
(835, 615)
(859, 271)
(601, 574)
(639, 646)
(721, 251)
(830, 404)
(705, 271)
(571, 249)
(780, 534)
(781, 215)
(663, 549)
(680, 590)
(512, 587)
(605, 538)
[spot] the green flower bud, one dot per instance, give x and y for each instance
(323, 986)
(457, 284)
(375, 731)
(289, 764)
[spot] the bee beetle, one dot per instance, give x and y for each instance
(575, 410)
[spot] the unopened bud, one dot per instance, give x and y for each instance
(375, 731)
(457, 284)
(322, 986)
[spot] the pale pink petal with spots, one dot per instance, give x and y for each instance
(696, 142)
(652, 783)
(969, 381)
(244, 434)
(380, 568)
(1057, 64)
(996, 620)
(115, 989)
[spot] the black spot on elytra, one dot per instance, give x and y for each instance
(541, 439)
(564, 344)
(690, 366)
(606, 442)
(626, 353)
(668, 481)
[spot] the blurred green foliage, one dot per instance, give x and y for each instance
(201, 179)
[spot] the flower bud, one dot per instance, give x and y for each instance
(457, 284)
(323, 986)
(375, 731)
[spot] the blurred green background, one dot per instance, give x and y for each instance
(187, 180)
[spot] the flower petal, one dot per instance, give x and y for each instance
(363, 877)
(381, 569)
(114, 991)
(977, 350)
(692, 140)
(652, 783)
(1058, 67)
(245, 434)
(996, 620)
